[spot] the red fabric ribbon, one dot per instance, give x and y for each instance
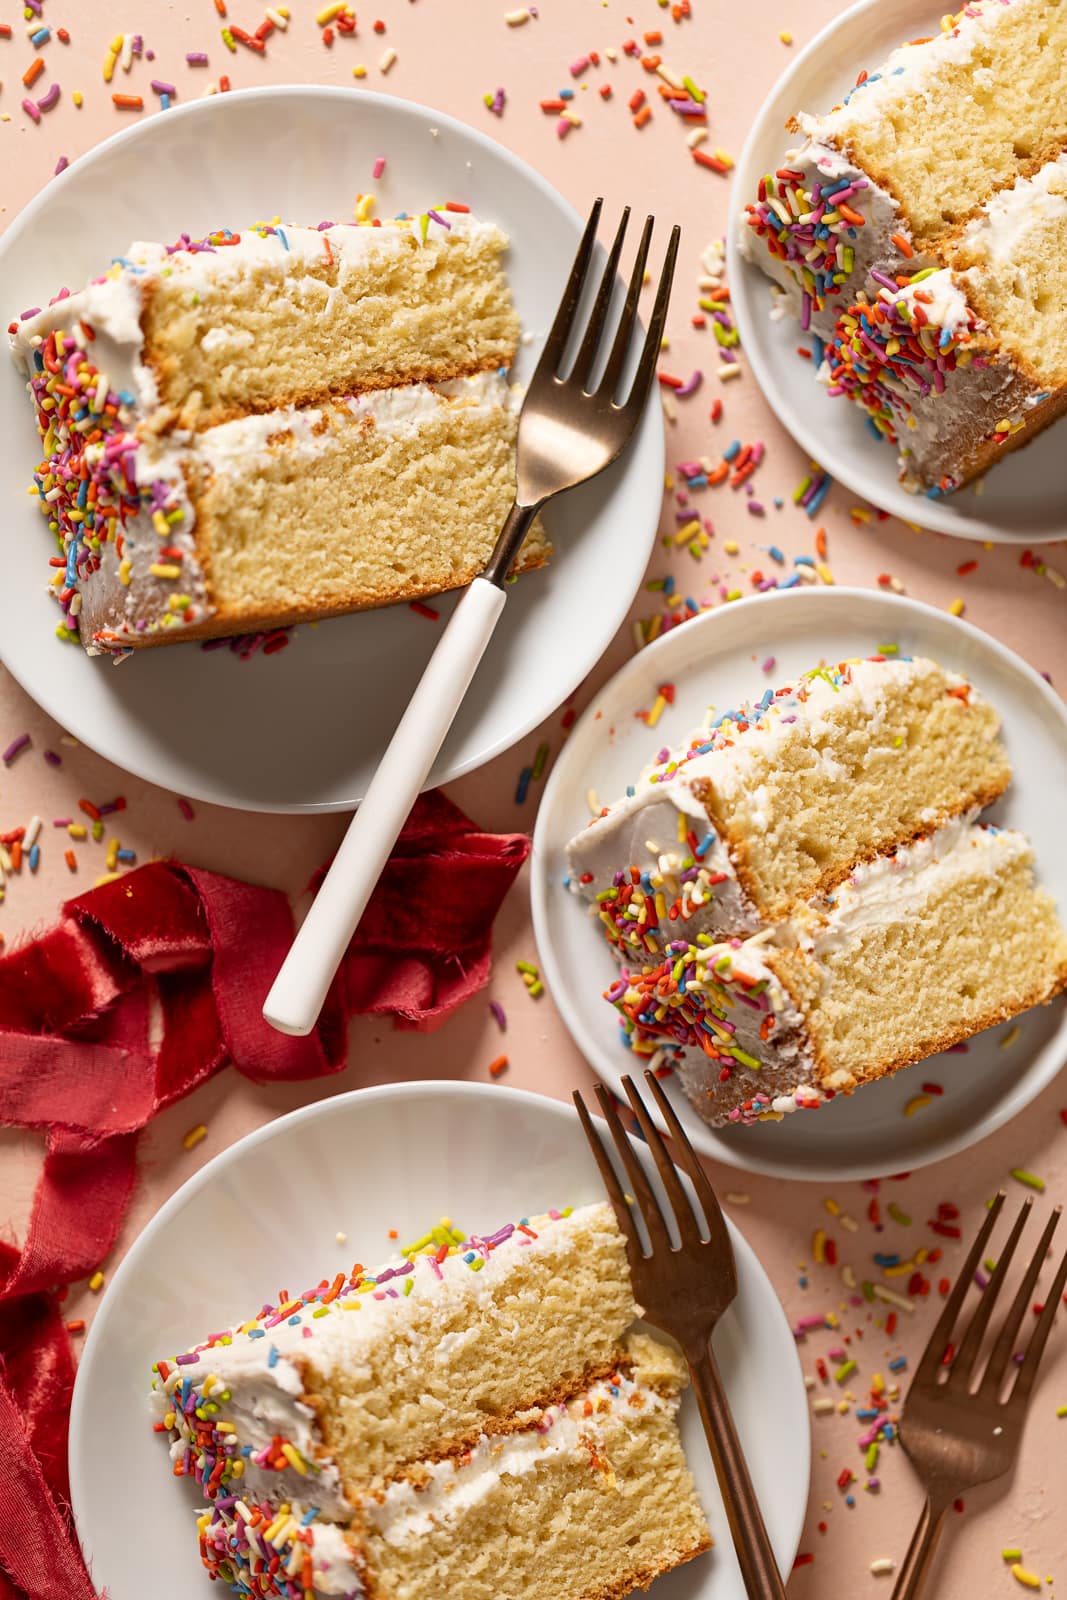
(146, 988)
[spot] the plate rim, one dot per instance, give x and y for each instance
(58, 703)
(452, 1089)
(705, 1138)
(745, 277)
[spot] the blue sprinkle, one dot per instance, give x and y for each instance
(630, 791)
(272, 1358)
(566, 94)
(281, 236)
(34, 857)
(776, 554)
(886, 1260)
(523, 785)
(732, 450)
(309, 1516)
(803, 561)
(257, 1333)
(899, 1364)
(126, 855)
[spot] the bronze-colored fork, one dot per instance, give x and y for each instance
(684, 1289)
(957, 1435)
(573, 424)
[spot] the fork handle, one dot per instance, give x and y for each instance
(297, 994)
(911, 1580)
(759, 1569)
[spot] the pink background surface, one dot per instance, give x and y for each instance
(449, 56)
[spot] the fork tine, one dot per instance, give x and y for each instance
(1035, 1349)
(930, 1360)
(690, 1163)
(967, 1354)
(559, 333)
(620, 349)
(646, 371)
(643, 1193)
(623, 1214)
(1001, 1353)
(586, 358)
(684, 1216)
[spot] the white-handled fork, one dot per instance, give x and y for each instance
(568, 432)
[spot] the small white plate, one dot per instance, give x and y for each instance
(477, 1153)
(716, 660)
(1022, 497)
(303, 729)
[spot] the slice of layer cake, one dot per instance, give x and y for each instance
(920, 949)
(958, 365)
(778, 801)
(264, 428)
(472, 1421)
(915, 148)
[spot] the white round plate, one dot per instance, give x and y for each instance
(1022, 497)
(716, 660)
(477, 1153)
(303, 729)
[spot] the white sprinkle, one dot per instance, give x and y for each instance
(696, 136)
(31, 833)
(276, 17)
(592, 802)
(883, 1567)
(736, 1199)
(891, 1298)
(387, 60)
(515, 19)
(341, 1238)
(126, 57)
(822, 1407)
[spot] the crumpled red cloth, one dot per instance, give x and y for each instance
(144, 989)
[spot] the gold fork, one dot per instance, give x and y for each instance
(684, 1289)
(575, 421)
(956, 1436)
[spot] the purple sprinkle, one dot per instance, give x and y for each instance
(47, 101)
(436, 216)
(162, 88)
(187, 1361)
(499, 1014)
(62, 164)
(197, 58)
(15, 748)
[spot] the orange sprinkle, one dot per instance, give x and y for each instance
(220, 7)
(128, 102)
(655, 37)
(643, 116)
(820, 544)
(851, 216)
(71, 860)
(498, 1066)
(902, 244)
(33, 71)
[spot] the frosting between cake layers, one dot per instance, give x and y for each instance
(407, 1511)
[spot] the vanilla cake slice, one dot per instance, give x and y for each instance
(778, 801)
(262, 428)
(475, 1421)
(920, 949)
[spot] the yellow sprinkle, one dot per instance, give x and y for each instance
(106, 877)
(328, 13)
(165, 569)
(77, 830)
(194, 1136)
(125, 568)
(657, 710)
(1023, 1575)
(957, 607)
(294, 1458)
(364, 207)
(1010, 1037)
(785, 36)
(916, 1103)
(96, 1282)
(731, 547)
(78, 98)
(359, 72)
(818, 1245)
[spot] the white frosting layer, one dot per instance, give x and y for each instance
(407, 1513)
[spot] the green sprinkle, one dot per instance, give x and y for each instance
(870, 1460)
(845, 1370)
(527, 967)
(1030, 1180)
(898, 1215)
(1012, 1553)
(889, 649)
(540, 762)
(867, 1289)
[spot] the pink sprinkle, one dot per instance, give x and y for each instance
(579, 66)
(62, 822)
(186, 809)
(31, 111)
(768, 665)
(378, 168)
(563, 127)
(499, 1014)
